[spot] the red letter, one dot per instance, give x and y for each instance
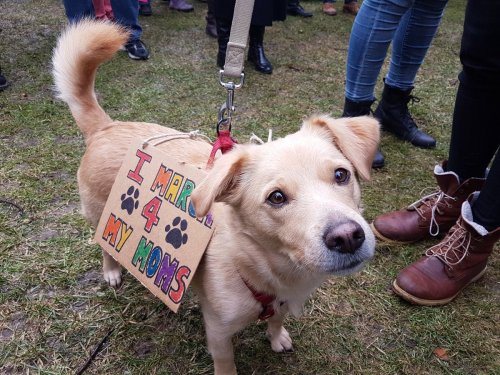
(134, 175)
(176, 295)
(150, 212)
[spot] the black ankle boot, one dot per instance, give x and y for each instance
(395, 118)
(211, 28)
(256, 50)
(295, 9)
(223, 32)
(355, 109)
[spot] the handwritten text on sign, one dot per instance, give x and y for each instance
(149, 224)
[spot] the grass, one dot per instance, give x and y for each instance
(54, 306)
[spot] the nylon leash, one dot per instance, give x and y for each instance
(231, 77)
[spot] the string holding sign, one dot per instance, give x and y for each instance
(169, 137)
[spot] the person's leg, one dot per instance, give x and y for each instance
(351, 7)
(486, 209)
(475, 136)
(475, 131)
(145, 8)
(372, 32)
(100, 12)
(75, 10)
(126, 13)
(256, 53)
(211, 28)
(329, 8)
(412, 40)
(461, 257)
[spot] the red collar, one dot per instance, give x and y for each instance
(265, 300)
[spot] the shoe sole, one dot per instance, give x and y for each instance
(388, 240)
(4, 86)
(428, 302)
(424, 146)
(134, 57)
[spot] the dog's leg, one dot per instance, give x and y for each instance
(220, 346)
(112, 270)
(278, 335)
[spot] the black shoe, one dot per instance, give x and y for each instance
(137, 50)
(145, 9)
(258, 58)
(356, 109)
(295, 9)
(223, 31)
(256, 53)
(378, 160)
(211, 28)
(395, 118)
(3, 83)
(363, 108)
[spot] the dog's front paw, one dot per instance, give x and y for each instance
(280, 341)
(113, 277)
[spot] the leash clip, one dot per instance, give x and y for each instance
(226, 109)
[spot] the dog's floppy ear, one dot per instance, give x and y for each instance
(221, 182)
(356, 137)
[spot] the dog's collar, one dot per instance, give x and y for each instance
(266, 300)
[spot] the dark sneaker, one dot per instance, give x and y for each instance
(3, 83)
(145, 9)
(137, 50)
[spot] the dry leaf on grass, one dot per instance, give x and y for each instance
(441, 353)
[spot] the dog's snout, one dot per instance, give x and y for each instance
(346, 237)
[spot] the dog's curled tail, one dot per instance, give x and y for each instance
(80, 50)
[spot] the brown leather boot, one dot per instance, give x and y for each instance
(431, 215)
(448, 267)
(351, 8)
(329, 9)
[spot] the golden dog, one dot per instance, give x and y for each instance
(291, 207)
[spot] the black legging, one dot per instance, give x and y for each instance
(475, 136)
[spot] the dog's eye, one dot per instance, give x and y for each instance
(342, 176)
(276, 198)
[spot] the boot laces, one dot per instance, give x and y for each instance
(432, 202)
(405, 113)
(455, 246)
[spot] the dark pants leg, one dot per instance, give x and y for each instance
(476, 122)
(75, 10)
(126, 13)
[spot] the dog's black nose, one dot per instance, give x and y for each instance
(346, 237)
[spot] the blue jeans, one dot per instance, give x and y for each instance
(126, 13)
(409, 24)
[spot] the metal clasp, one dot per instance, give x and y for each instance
(226, 109)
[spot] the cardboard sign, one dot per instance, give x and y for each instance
(149, 225)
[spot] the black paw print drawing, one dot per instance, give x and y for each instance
(175, 236)
(129, 200)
